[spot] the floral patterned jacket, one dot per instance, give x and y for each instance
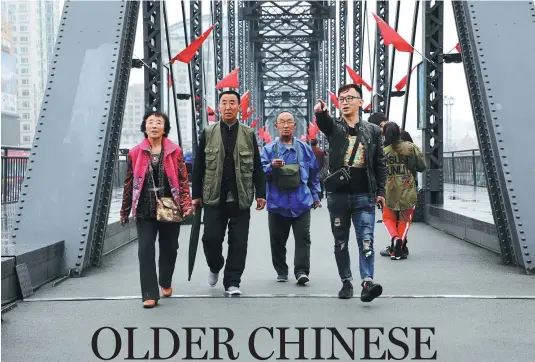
(175, 169)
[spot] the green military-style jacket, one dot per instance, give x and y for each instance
(243, 161)
(403, 160)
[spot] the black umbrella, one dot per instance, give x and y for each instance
(194, 240)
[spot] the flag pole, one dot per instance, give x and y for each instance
(409, 67)
(392, 64)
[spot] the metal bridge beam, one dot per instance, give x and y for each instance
(381, 61)
(195, 18)
(503, 108)
(66, 192)
(433, 22)
(152, 45)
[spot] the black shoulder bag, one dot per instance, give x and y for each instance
(288, 177)
(342, 177)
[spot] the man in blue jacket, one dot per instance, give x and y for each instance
(293, 188)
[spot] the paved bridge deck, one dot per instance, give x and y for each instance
(480, 309)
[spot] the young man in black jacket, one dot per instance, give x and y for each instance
(356, 150)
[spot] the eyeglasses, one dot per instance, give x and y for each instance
(289, 123)
(348, 99)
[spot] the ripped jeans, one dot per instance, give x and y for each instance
(359, 209)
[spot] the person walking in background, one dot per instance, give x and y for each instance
(355, 185)
(403, 160)
(379, 119)
(227, 172)
(292, 190)
(323, 163)
(156, 192)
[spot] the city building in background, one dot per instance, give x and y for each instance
(133, 115)
(35, 26)
(10, 117)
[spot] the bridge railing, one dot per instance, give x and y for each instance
(14, 162)
(460, 167)
(464, 167)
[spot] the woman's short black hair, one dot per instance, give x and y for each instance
(166, 127)
(392, 133)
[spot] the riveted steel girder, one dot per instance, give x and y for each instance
(152, 44)
(195, 19)
(381, 62)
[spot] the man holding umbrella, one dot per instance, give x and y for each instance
(227, 172)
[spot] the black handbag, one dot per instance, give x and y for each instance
(341, 177)
(288, 177)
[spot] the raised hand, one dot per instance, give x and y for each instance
(320, 106)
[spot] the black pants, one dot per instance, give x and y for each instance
(216, 220)
(168, 242)
(279, 230)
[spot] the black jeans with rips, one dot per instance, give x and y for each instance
(216, 220)
(168, 233)
(279, 230)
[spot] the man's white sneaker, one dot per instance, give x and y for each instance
(212, 278)
(233, 292)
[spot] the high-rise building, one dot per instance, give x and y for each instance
(10, 121)
(35, 26)
(133, 115)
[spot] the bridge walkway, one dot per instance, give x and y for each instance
(480, 309)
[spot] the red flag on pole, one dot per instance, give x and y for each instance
(187, 54)
(229, 81)
(357, 78)
(244, 116)
(334, 99)
(244, 102)
(255, 122)
(458, 47)
(391, 37)
(403, 82)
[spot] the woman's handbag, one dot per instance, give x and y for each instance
(166, 207)
(341, 177)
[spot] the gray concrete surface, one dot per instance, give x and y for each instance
(48, 328)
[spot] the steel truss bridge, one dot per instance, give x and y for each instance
(289, 53)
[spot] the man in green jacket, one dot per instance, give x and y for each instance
(227, 178)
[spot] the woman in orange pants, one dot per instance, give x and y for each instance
(403, 160)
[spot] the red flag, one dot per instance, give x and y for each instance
(255, 122)
(403, 82)
(210, 110)
(357, 78)
(244, 102)
(368, 107)
(391, 37)
(248, 114)
(334, 99)
(187, 54)
(230, 81)
(458, 47)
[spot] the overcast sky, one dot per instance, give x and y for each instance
(454, 78)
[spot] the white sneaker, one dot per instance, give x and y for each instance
(233, 292)
(212, 278)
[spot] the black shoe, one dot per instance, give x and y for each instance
(398, 251)
(302, 279)
(370, 291)
(386, 252)
(347, 290)
(405, 249)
